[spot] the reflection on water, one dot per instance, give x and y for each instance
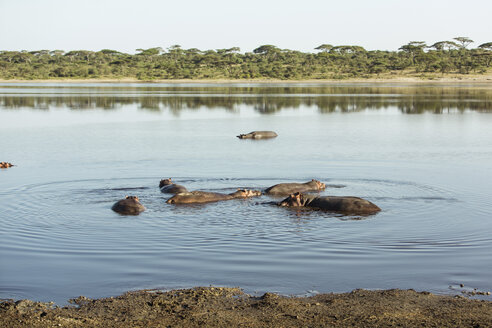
(265, 99)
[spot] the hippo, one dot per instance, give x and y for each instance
(258, 135)
(4, 165)
(283, 189)
(196, 197)
(169, 187)
(129, 206)
(345, 205)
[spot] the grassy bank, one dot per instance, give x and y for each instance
(387, 78)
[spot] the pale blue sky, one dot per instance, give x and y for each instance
(210, 24)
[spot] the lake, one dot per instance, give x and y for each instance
(422, 153)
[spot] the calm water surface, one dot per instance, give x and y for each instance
(422, 153)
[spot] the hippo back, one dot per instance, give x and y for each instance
(263, 134)
(174, 189)
(346, 205)
(290, 188)
(197, 197)
(258, 135)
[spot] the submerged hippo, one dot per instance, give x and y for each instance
(4, 165)
(345, 205)
(290, 188)
(169, 187)
(129, 206)
(258, 135)
(195, 197)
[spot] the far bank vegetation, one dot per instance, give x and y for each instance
(265, 62)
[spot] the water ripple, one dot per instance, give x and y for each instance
(71, 222)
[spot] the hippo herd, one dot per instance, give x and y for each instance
(298, 193)
(298, 197)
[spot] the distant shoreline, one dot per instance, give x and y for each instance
(487, 78)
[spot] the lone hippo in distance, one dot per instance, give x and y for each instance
(258, 135)
(344, 205)
(169, 187)
(129, 206)
(196, 197)
(290, 188)
(5, 165)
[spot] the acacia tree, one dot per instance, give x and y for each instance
(324, 47)
(149, 52)
(80, 54)
(442, 45)
(413, 48)
(342, 50)
(266, 49)
(486, 52)
(486, 46)
(463, 41)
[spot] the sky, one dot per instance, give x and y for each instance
(126, 25)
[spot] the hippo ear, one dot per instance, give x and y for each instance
(126, 196)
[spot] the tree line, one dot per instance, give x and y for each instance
(264, 62)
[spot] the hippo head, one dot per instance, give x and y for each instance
(165, 182)
(319, 185)
(5, 165)
(241, 136)
(133, 197)
(296, 199)
(245, 193)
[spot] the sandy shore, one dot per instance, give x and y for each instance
(230, 307)
(484, 78)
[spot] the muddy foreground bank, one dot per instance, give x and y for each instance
(230, 307)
